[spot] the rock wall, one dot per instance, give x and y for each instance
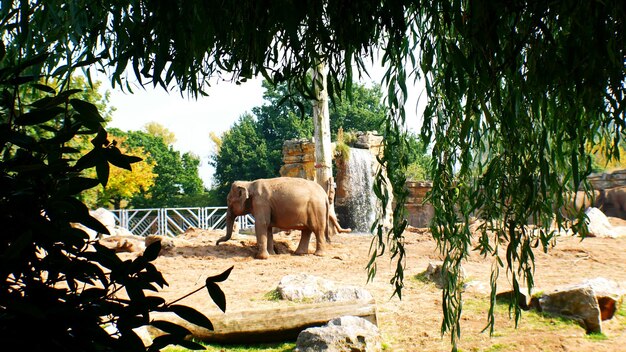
(299, 159)
(420, 213)
(607, 180)
(370, 140)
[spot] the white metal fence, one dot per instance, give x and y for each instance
(174, 221)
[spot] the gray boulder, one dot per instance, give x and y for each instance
(345, 334)
(305, 287)
(589, 303)
(106, 217)
(576, 302)
(598, 224)
(301, 287)
(434, 273)
(608, 294)
(346, 293)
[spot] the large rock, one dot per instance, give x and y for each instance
(612, 179)
(106, 218)
(608, 294)
(434, 273)
(298, 159)
(576, 302)
(598, 224)
(369, 140)
(346, 293)
(348, 333)
(305, 287)
(524, 299)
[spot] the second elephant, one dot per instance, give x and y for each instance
(284, 202)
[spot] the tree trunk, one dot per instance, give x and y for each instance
(321, 122)
(270, 324)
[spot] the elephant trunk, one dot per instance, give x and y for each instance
(230, 222)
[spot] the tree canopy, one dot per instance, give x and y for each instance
(517, 91)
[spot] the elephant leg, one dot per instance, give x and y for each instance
(303, 247)
(261, 241)
(270, 241)
(320, 243)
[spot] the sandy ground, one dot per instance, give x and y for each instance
(413, 322)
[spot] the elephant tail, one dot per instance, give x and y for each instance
(327, 222)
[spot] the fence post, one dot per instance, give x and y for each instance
(124, 218)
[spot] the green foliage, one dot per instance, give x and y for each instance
(177, 178)
(243, 155)
(342, 151)
(272, 295)
(55, 281)
(514, 101)
(362, 111)
(418, 161)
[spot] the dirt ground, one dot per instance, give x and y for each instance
(412, 323)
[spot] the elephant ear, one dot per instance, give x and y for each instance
(243, 193)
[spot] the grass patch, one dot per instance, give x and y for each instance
(547, 320)
(272, 295)
(422, 277)
(597, 336)
(266, 347)
(531, 318)
(498, 347)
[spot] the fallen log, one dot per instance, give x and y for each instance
(270, 324)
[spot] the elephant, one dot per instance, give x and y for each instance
(579, 201)
(287, 203)
(612, 202)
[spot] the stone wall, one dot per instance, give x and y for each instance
(420, 213)
(370, 140)
(612, 179)
(299, 159)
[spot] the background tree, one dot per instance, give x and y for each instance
(243, 155)
(363, 111)
(123, 184)
(158, 130)
(279, 119)
(177, 175)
